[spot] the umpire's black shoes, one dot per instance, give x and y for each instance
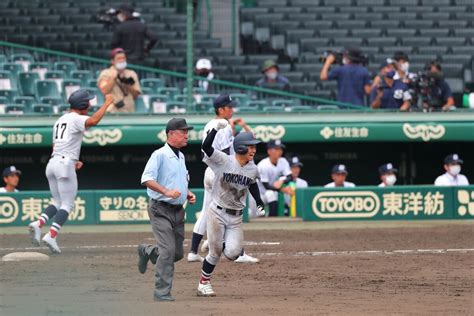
(142, 259)
(163, 298)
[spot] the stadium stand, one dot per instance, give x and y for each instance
(293, 32)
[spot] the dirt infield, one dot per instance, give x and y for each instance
(370, 270)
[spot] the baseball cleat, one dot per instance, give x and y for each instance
(51, 243)
(205, 246)
(205, 289)
(142, 259)
(35, 233)
(245, 258)
(194, 257)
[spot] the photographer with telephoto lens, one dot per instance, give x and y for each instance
(121, 82)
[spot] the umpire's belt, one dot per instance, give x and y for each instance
(169, 205)
(230, 211)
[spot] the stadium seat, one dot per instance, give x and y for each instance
(13, 68)
(7, 81)
(83, 75)
(52, 101)
(169, 91)
(176, 107)
(15, 109)
(47, 88)
(140, 105)
(66, 66)
(318, 25)
(158, 103)
(43, 109)
(204, 107)
(256, 105)
(247, 109)
(69, 86)
(283, 103)
(9, 94)
(152, 83)
(272, 109)
(27, 102)
(300, 108)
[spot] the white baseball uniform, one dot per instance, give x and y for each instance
(4, 190)
(346, 185)
(222, 142)
(68, 132)
(448, 180)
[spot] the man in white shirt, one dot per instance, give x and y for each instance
(388, 175)
(339, 174)
(452, 177)
(11, 177)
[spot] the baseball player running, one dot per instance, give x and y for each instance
(61, 169)
(233, 176)
(223, 106)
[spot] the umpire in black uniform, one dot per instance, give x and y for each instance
(166, 179)
(130, 35)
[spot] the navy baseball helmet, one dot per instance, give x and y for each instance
(242, 140)
(79, 99)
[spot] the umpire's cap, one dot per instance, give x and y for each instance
(242, 140)
(177, 123)
(79, 99)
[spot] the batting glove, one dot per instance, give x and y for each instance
(221, 124)
(260, 211)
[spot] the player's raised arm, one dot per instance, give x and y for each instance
(97, 116)
(207, 144)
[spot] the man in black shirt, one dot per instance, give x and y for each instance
(130, 35)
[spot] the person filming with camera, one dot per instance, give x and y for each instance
(388, 92)
(353, 79)
(439, 96)
(120, 82)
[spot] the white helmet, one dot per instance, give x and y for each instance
(204, 63)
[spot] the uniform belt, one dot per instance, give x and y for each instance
(230, 211)
(175, 206)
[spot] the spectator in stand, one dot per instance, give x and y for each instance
(272, 79)
(11, 177)
(339, 174)
(353, 79)
(130, 35)
(388, 93)
(121, 82)
(204, 69)
(440, 96)
(401, 66)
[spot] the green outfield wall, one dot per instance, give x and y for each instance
(313, 204)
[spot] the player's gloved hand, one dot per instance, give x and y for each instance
(221, 124)
(260, 211)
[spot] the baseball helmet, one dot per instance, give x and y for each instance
(242, 140)
(79, 99)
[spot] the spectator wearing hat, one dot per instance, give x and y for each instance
(339, 174)
(452, 177)
(353, 79)
(130, 35)
(388, 175)
(204, 70)
(272, 79)
(274, 172)
(166, 178)
(11, 177)
(120, 82)
(388, 93)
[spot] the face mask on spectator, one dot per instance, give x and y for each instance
(345, 60)
(454, 170)
(272, 75)
(121, 66)
(120, 17)
(391, 179)
(405, 67)
(204, 73)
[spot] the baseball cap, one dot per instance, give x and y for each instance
(267, 64)
(125, 8)
(295, 161)
(116, 51)
(203, 63)
(386, 168)
(275, 143)
(10, 170)
(339, 169)
(386, 63)
(79, 99)
(177, 123)
(453, 158)
(224, 100)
